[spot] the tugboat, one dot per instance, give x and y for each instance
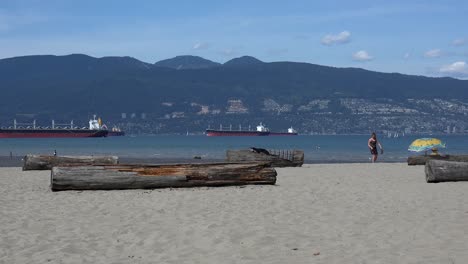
(115, 132)
(291, 132)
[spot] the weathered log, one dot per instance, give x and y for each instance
(442, 171)
(295, 159)
(421, 160)
(44, 162)
(134, 176)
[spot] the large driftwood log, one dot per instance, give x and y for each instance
(294, 158)
(421, 160)
(442, 171)
(44, 162)
(159, 176)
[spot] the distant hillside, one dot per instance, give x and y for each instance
(186, 62)
(78, 85)
(243, 61)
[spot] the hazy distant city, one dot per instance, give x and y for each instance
(320, 116)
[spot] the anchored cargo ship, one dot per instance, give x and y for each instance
(23, 130)
(261, 130)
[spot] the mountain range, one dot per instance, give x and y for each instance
(76, 85)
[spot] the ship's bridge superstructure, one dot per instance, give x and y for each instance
(261, 128)
(94, 124)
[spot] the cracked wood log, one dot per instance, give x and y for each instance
(44, 162)
(442, 171)
(421, 160)
(247, 155)
(112, 177)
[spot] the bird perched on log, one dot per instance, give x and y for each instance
(260, 150)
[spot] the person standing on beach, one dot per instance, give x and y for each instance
(372, 144)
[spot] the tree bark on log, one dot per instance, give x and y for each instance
(246, 155)
(421, 160)
(44, 162)
(114, 177)
(443, 171)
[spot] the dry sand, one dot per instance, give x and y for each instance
(339, 213)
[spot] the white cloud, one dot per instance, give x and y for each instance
(433, 53)
(407, 55)
(456, 69)
(200, 46)
(229, 52)
(340, 38)
(362, 55)
(459, 42)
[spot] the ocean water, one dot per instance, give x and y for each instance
(338, 148)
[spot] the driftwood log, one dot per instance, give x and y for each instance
(421, 160)
(159, 176)
(293, 158)
(44, 162)
(442, 171)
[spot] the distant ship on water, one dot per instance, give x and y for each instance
(24, 130)
(115, 132)
(261, 130)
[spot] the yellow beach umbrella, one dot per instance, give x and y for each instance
(423, 144)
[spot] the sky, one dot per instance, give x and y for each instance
(411, 37)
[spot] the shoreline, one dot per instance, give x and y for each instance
(17, 161)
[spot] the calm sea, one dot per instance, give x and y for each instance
(316, 148)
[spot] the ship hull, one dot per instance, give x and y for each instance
(226, 133)
(116, 133)
(51, 133)
(282, 134)
(233, 133)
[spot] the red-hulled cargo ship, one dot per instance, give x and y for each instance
(220, 133)
(260, 131)
(51, 133)
(56, 131)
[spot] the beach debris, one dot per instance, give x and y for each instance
(421, 160)
(443, 171)
(45, 162)
(134, 176)
(276, 158)
(316, 254)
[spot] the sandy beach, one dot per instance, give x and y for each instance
(330, 213)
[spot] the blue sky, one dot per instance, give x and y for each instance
(412, 37)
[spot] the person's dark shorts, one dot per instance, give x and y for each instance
(374, 151)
